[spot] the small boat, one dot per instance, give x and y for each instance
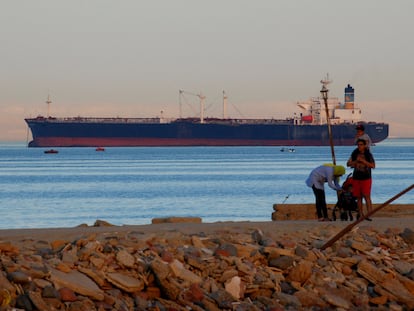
(100, 149)
(287, 149)
(51, 151)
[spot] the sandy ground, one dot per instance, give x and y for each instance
(270, 228)
(393, 216)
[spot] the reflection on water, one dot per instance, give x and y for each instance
(134, 185)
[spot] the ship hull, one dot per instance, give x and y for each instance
(52, 133)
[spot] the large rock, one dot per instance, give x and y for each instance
(386, 281)
(196, 220)
(301, 272)
(125, 282)
(77, 282)
(181, 272)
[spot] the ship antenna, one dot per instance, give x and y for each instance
(48, 102)
(326, 81)
(180, 94)
(224, 105)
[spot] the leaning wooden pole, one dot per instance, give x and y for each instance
(324, 92)
(351, 225)
(330, 131)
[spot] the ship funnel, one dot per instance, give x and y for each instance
(349, 97)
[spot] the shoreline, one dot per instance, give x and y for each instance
(289, 217)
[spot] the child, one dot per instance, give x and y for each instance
(360, 134)
(347, 202)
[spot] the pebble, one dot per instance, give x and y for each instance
(240, 271)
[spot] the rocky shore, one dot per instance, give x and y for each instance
(275, 265)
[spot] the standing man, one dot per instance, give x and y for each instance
(317, 179)
(360, 134)
(362, 161)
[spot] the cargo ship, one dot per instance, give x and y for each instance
(307, 128)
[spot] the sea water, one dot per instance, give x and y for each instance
(133, 185)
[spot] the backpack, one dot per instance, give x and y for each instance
(348, 182)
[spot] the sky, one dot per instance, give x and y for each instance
(130, 58)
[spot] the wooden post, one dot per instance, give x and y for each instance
(324, 92)
(330, 132)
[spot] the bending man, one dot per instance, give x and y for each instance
(316, 180)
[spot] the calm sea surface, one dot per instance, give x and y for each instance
(134, 185)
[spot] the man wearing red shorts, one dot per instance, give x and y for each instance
(362, 161)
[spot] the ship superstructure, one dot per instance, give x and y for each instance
(339, 112)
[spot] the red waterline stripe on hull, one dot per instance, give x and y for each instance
(153, 142)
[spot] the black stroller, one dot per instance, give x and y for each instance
(347, 203)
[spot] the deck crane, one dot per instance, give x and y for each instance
(202, 103)
(200, 96)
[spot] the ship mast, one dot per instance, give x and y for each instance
(48, 102)
(224, 105)
(202, 98)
